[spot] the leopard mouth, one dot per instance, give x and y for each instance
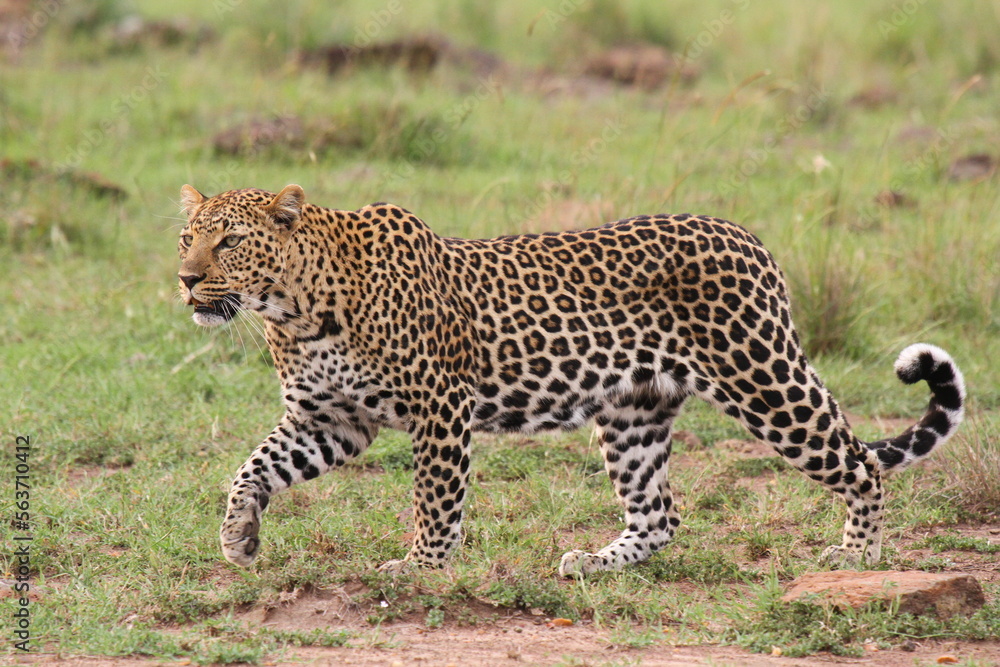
(224, 308)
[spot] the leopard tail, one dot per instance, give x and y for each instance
(943, 415)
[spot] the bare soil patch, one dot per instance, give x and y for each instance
(517, 643)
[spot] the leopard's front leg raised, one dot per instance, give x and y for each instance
(441, 471)
(299, 448)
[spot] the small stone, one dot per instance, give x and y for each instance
(972, 167)
(942, 594)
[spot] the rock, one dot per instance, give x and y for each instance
(643, 66)
(35, 170)
(942, 594)
(256, 134)
(972, 167)
(874, 97)
(416, 54)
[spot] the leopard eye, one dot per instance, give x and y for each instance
(232, 241)
(186, 240)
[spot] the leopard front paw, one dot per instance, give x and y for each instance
(839, 557)
(396, 567)
(578, 564)
(239, 534)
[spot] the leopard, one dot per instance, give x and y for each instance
(375, 321)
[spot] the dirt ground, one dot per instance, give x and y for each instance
(510, 638)
(518, 641)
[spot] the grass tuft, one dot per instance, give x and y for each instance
(972, 465)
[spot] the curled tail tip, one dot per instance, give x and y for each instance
(944, 413)
(922, 361)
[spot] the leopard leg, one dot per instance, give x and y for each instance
(635, 439)
(788, 407)
(441, 447)
(860, 485)
(296, 450)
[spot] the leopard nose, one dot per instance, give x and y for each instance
(190, 279)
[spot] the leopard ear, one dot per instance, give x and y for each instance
(191, 199)
(286, 207)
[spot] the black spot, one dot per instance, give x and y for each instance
(924, 443)
(823, 422)
(803, 413)
(773, 398)
(558, 387)
(795, 394)
(937, 421)
(758, 352)
(516, 399)
(486, 410)
(570, 368)
(832, 460)
(590, 380)
(947, 396)
(512, 421)
(642, 375)
(741, 360)
(299, 460)
(781, 420)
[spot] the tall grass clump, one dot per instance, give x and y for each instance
(972, 465)
(830, 297)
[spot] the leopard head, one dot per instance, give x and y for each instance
(231, 251)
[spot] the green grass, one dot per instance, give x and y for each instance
(138, 418)
(803, 628)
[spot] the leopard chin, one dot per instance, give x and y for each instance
(215, 313)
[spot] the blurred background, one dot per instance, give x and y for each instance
(859, 140)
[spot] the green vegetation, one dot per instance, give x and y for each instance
(802, 628)
(836, 133)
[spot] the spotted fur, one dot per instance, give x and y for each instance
(374, 321)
